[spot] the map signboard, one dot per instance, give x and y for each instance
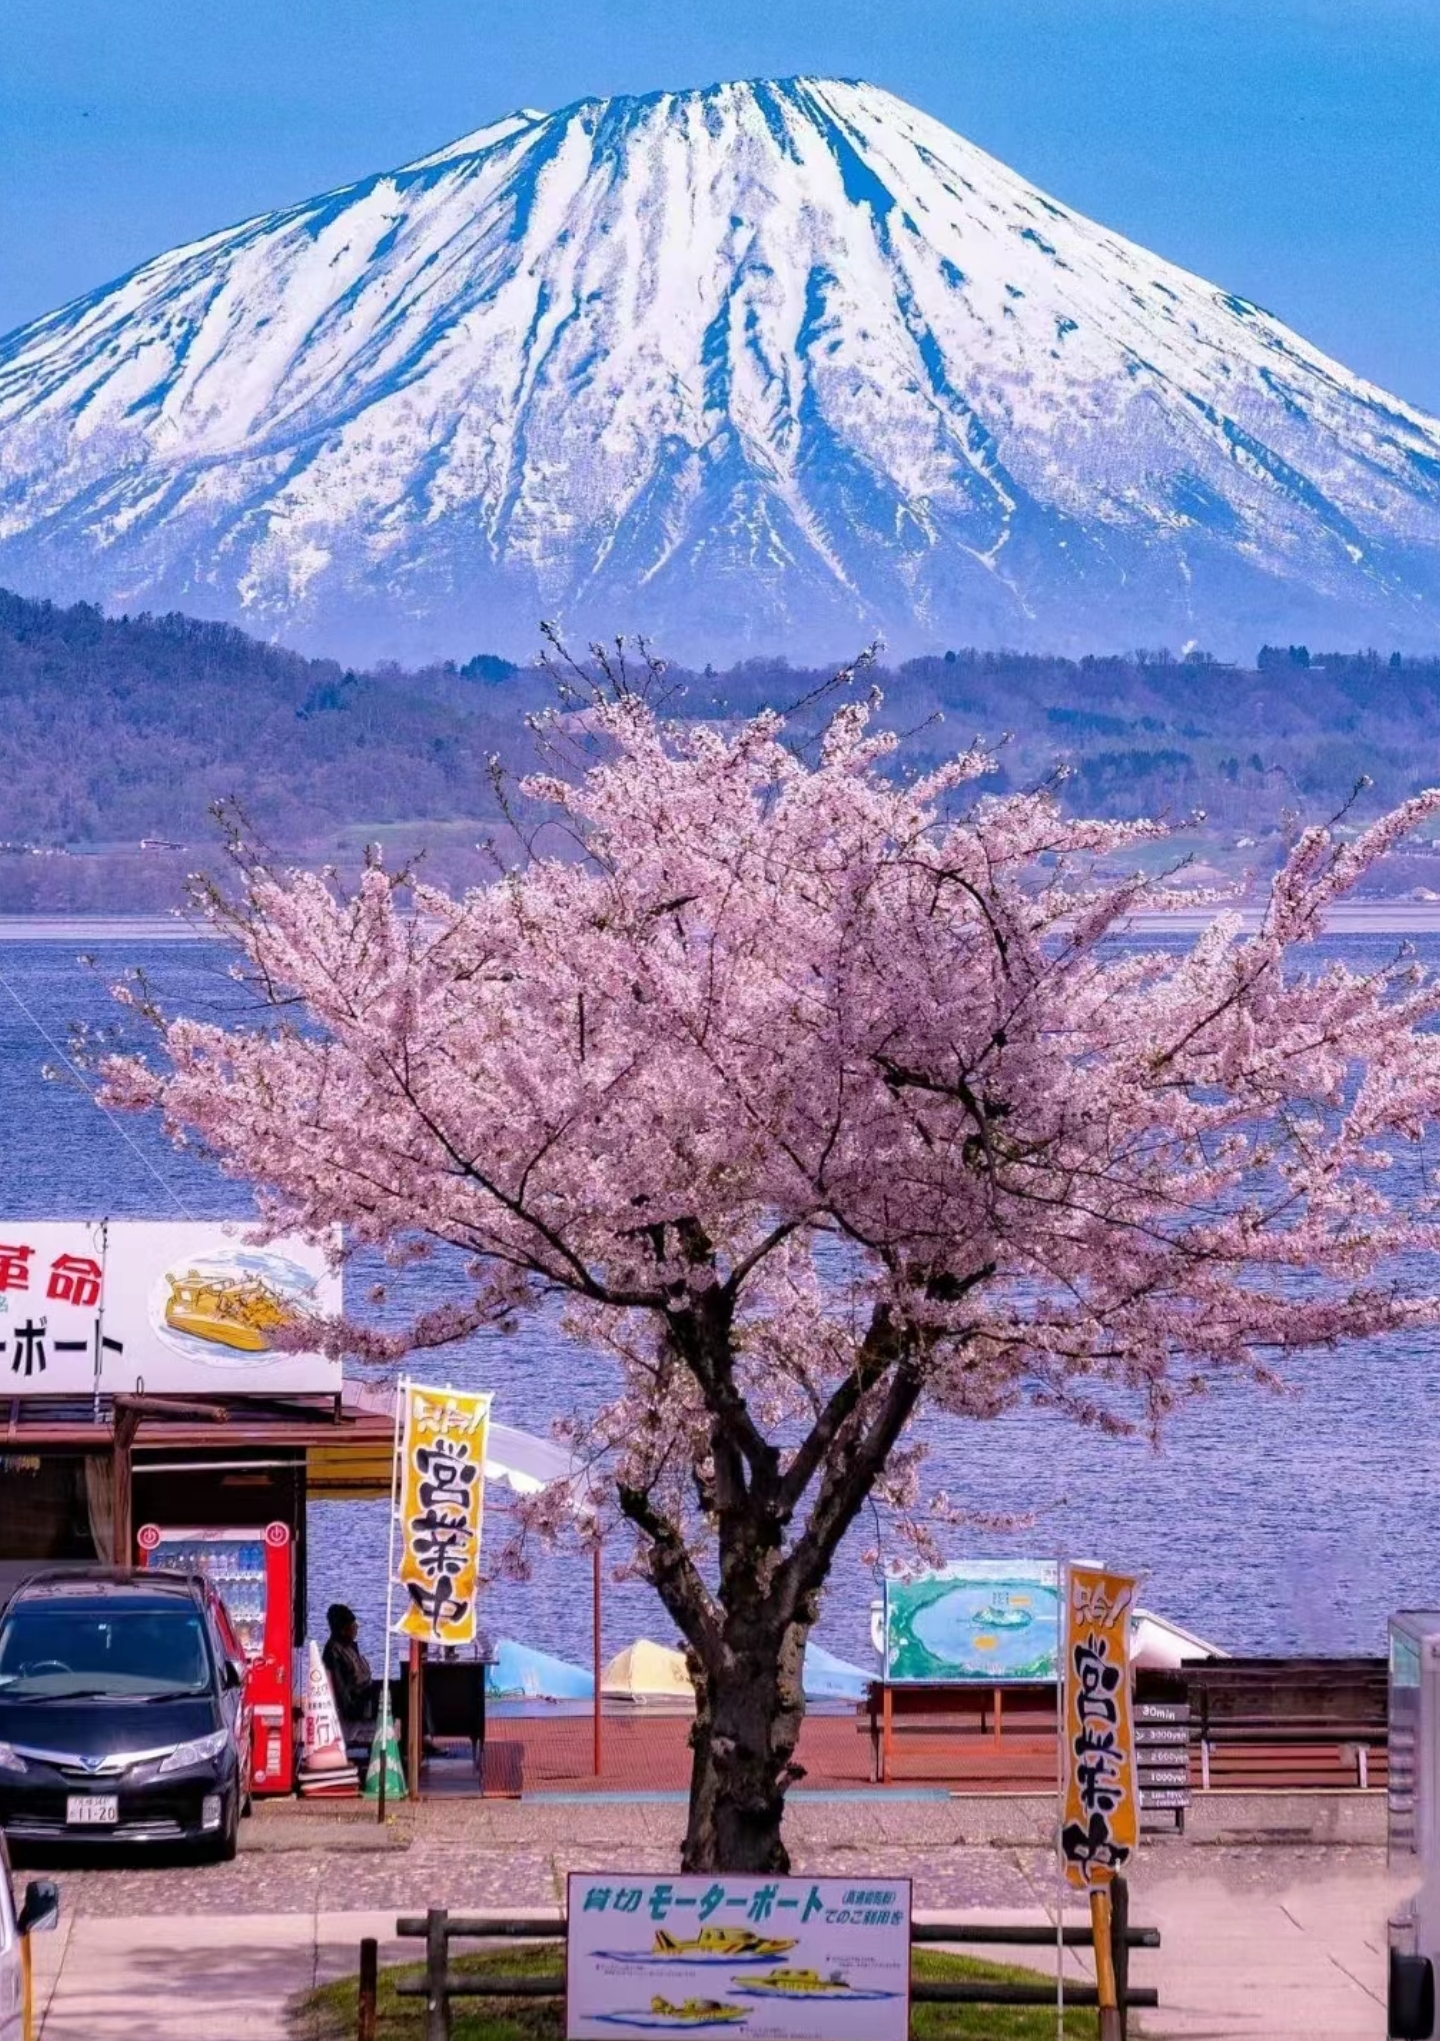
(976, 1619)
(161, 1306)
(770, 1959)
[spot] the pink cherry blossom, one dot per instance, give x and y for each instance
(821, 1094)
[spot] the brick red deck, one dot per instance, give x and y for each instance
(644, 1749)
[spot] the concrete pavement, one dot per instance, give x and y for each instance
(195, 1977)
(1302, 1960)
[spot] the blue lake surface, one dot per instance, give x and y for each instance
(1266, 1522)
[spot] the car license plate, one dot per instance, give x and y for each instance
(92, 1810)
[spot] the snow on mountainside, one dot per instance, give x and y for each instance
(769, 365)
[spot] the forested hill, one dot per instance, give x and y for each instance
(118, 733)
(118, 728)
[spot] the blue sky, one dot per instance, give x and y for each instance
(1289, 149)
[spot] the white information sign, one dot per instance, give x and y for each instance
(167, 1308)
(775, 1959)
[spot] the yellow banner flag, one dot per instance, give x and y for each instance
(1100, 1825)
(442, 1491)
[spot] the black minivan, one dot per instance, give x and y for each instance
(121, 1717)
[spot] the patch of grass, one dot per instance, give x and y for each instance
(329, 2014)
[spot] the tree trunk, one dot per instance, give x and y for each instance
(747, 1721)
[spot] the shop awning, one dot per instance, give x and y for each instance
(347, 1443)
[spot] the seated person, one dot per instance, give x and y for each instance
(356, 1692)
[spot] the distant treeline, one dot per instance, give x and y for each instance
(1154, 733)
(120, 731)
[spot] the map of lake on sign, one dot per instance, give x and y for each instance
(977, 1619)
(776, 1959)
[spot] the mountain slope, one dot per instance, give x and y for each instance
(767, 365)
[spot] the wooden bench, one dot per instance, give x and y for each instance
(1287, 1724)
(991, 1728)
(1263, 1723)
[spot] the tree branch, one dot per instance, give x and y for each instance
(673, 1573)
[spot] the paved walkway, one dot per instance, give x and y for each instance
(193, 1977)
(1270, 1941)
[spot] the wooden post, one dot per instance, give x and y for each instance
(369, 1988)
(27, 1989)
(414, 1722)
(1120, 1949)
(1104, 1962)
(437, 1958)
(122, 1543)
(887, 1723)
(596, 1653)
(999, 1713)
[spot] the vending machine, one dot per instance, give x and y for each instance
(1414, 1820)
(253, 1573)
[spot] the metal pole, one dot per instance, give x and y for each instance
(383, 1715)
(414, 1720)
(595, 1651)
(100, 1311)
(1063, 1646)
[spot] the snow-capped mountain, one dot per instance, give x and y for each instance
(768, 366)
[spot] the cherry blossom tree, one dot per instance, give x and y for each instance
(823, 1095)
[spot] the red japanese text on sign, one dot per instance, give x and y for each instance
(74, 1279)
(15, 1267)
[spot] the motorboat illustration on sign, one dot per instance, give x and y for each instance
(711, 1945)
(232, 1305)
(234, 1311)
(798, 1983)
(691, 2014)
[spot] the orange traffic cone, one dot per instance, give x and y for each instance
(324, 1766)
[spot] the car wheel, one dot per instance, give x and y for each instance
(222, 1849)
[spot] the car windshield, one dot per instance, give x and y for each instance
(63, 1653)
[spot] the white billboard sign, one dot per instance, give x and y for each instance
(183, 1308)
(774, 1959)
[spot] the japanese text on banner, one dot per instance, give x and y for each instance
(442, 1487)
(1100, 1824)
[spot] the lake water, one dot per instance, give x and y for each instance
(1266, 1523)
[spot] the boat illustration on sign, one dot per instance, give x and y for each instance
(711, 1945)
(242, 1312)
(690, 2014)
(233, 1305)
(698, 2012)
(788, 1983)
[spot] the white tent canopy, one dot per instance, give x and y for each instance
(526, 1463)
(1160, 1644)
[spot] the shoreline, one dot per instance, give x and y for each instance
(1347, 917)
(99, 928)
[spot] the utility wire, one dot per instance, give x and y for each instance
(99, 1104)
